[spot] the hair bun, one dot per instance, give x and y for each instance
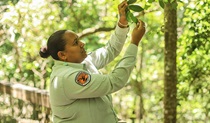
(44, 52)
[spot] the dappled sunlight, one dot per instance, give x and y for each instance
(25, 26)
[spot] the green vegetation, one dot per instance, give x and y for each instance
(132, 8)
(25, 26)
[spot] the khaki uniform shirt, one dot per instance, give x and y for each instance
(80, 94)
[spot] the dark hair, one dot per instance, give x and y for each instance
(55, 43)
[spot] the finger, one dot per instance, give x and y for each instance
(137, 25)
(122, 9)
(122, 4)
(125, 6)
(142, 24)
(125, 1)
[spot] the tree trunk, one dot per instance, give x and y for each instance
(170, 73)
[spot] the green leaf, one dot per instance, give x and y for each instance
(135, 8)
(162, 4)
(127, 9)
(147, 6)
(133, 18)
(128, 16)
(150, 1)
(17, 35)
(131, 1)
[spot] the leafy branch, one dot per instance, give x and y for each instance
(132, 8)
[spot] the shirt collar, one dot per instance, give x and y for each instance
(74, 65)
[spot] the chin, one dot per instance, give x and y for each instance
(85, 56)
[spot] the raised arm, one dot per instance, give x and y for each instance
(106, 54)
(87, 85)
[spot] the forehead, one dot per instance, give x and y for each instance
(70, 35)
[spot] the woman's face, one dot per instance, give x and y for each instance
(74, 50)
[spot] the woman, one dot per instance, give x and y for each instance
(78, 92)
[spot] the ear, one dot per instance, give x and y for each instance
(61, 55)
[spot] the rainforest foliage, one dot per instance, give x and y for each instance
(25, 26)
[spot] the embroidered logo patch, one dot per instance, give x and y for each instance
(83, 78)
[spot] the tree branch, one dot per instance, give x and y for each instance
(93, 30)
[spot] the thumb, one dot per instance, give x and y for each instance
(140, 24)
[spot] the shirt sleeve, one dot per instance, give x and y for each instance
(100, 85)
(106, 54)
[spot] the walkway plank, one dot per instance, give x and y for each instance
(26, 93)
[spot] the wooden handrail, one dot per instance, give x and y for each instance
(26, 93)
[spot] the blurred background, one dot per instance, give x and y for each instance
(25, 26)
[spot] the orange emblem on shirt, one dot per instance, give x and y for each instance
(83, 78)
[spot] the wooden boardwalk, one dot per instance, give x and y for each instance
(26, 93)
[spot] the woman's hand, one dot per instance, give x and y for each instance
(123, 23)
(138, 33)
